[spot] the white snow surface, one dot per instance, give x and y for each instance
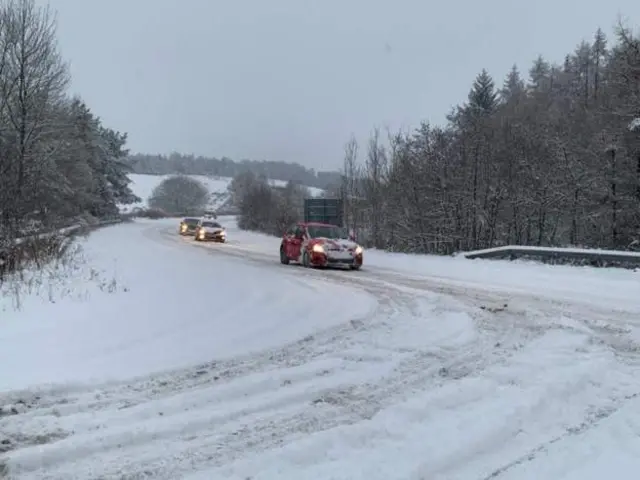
(183, 311)
(615, 288)
(166, 358)
(143, 185)
(313, 191)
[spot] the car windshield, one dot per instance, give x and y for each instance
(211, 224)
(191, 221)
(327, 231)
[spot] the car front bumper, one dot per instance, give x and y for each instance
(329, 259)
(212, 237)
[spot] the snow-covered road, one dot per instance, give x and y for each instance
(250, 369)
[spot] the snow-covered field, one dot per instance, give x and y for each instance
(143, 185)
(313, 191)
(165, 358)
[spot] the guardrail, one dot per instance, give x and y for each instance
(41, 236)
(596, 258)
(66, 232)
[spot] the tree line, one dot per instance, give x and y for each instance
(58, 162)
(551, 160)
(177, 163)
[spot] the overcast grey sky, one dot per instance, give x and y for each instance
(292, 79)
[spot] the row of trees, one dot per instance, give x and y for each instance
(58, 162)
(225, 167)
(554, 160)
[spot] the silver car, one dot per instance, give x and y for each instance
(210, 230)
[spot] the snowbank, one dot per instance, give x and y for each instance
(139, 305)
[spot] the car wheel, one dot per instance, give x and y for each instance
(355, 267)
(305, 260)
(283, 257)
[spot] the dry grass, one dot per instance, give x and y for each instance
(33, 253)
(52, 268)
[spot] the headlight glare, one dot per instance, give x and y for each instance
(318, 248)
(358, 250)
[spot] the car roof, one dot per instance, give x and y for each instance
(190, 219)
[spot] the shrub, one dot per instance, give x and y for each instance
(179, 195)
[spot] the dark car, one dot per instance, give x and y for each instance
(188, 226)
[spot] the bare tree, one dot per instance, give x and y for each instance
(268, 208)
(350, 190)
(374, 179)
(240, 185)
(32, 85)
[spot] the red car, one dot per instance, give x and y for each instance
(320, 245)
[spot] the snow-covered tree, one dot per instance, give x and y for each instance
(58, 162)
(535, 167)
(180, 195)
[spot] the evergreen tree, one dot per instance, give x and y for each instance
(513, 87)
(483, 97)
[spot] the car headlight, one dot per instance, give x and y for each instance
(358, 250)
(318, 248)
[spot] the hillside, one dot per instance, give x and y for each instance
(145, 164)
(142, 186)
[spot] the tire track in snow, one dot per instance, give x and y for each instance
(209, 415)
(332, 395)
(594, 419)
(605, 325)
(323, 408)
(608, 325)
